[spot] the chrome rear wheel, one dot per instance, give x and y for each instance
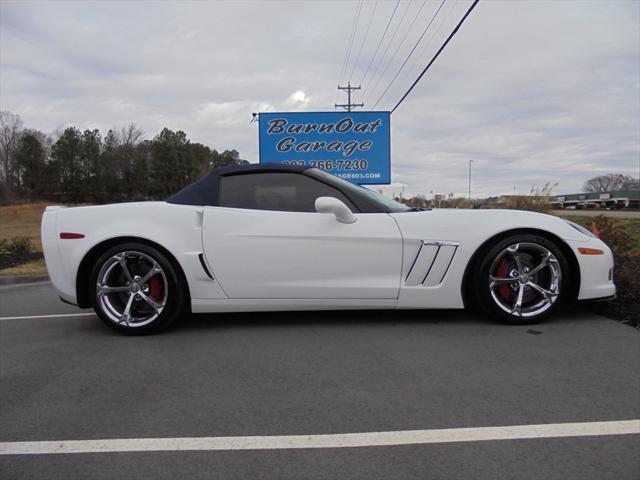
(132, 289)
(137, 288)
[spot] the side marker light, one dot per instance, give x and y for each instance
(70, 235)
(590, 251)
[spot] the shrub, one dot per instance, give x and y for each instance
(419, 201)
(536, 201)
(626, 253)
(615, 235)
(458, 202)
(17, 246)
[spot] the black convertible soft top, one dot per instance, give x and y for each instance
(205, 190)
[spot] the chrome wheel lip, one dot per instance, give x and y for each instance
(524, 278)
(136, 287)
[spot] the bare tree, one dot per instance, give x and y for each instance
(128, 135)
(631, 183)
(10, 127)
(609, 183)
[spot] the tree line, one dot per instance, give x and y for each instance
(75, 166)
(611, 182)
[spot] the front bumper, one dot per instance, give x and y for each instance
(596, 271)
(597, 300)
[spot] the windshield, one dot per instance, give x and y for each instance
(373, 196)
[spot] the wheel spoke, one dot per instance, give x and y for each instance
(125, 269)
(155, 268)
(543, 263)
(495, 281)
(517, 307)
(514, 254)
(126, 315)
(155, 305)
(105, 289)
(547, 294)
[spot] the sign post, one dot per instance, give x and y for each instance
(355, 146)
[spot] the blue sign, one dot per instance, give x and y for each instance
(353, 145)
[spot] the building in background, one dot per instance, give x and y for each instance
(619, 199)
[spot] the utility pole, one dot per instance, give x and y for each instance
(470, 161)
(348, 106)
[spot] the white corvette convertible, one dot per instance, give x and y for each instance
(272, 237)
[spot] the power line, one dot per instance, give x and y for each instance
(381, 39)
(393, 36)
(393, 55)
(350, 43)
(364, 40)
(455, 30)
(397, 88)
(422, 51)
(410, 53)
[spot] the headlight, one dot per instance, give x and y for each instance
(581, 229)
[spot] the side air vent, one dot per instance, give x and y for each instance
(431, 264)
(204, 266)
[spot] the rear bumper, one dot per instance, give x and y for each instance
(63, 283)
(67, 302)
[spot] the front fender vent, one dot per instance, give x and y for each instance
(431, 263)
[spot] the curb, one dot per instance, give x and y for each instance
(17, 279)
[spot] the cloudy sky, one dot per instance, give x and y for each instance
(531, 91)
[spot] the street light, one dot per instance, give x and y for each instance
(470, 161)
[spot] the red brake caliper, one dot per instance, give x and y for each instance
(155, 288)
(503, 290)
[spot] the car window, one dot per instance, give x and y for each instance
(386, 203)
(285, 192)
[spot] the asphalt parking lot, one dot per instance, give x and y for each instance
(69, 378)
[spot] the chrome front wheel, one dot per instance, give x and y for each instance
(521, 279)
(525, 279)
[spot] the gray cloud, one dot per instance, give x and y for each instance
(531, 91)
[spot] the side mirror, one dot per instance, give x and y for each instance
(335, 206)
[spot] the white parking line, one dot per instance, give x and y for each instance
(339, 440)
(60, 315)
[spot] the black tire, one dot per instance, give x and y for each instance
(499, 300)
(145, 307)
